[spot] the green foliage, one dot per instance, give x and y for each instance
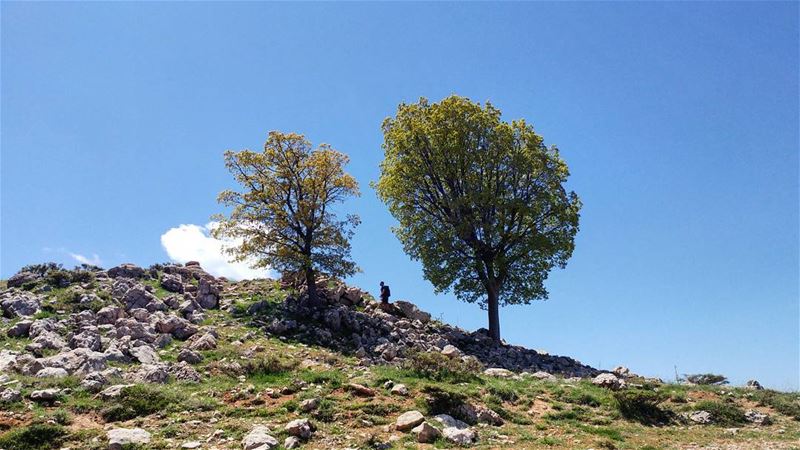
(787, 404)
(504, 393)
(722, 413)
(332, 378)
(706, 379)
(268, 366)
(283, 217)
(34, 437)
(325, 412)
(62, 417)
(438, 367)
(479, 201)
(137, 401)
(440, 400)
(642, 406)
(610, 433)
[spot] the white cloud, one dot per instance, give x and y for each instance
(93, 261)
(194, 243)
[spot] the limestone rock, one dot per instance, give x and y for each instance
(259, 439)
(126, 270)
(301, 428)
(119, 438)
(608, 381)
(426, 433)
(20, 329)
(409, 420)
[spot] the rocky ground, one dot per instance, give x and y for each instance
(172, 357)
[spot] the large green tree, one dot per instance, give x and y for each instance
(283, 218)
(480, 202)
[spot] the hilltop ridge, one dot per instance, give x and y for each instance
(170, 356)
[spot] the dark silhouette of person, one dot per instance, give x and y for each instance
(385, 293)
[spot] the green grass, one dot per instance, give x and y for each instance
(34, 437)
(722, 413)
(785, 403)
(137, 401)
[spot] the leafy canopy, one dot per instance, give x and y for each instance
(283, 218)
(479, 201)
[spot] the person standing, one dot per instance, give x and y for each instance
(385, 293)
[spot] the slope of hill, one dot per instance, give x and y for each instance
(172, 357)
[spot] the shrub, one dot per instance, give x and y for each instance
(642, 406)
(137, 401)
(706, 379)
(722, 413)
(62, 417)
(786, 404)
(34, 437)
(504, 393)
(325, 412)
(438, 367)
(438, 400)
(268, 365)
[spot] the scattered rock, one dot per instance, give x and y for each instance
(259, 439)
(114, 391)
(292, 442)
(301, 428)
(9, 395)
(399, 389)
(544, 376)
(119, 438)
(701, 417)
(309, 404)
(360, 390)
(20, 305)
(409, 420)
(189, 356)
(458, 436)
(126, 270)
(52, 372)
(451, 351)
(45, 395)
(204, 342)
(426, 433)
(20, 329)
(757, 417)
(608, 381)
(498, 372)
(753, 384)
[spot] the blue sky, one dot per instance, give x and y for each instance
(679, 122)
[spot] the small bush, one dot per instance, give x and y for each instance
(642, 406)
(504, 393)
(62, 417)
(580, 398)
(706, 379)
(325, 412)
(34, 437)
(438, 367)
(441, 401)
(137, 401)
(786, 404)
(269, 365)
(722, 413)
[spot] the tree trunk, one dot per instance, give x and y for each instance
(494, 312)
(311, 285)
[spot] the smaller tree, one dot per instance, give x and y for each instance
(282, 219)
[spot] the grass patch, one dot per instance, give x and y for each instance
(137, 401)
(722, 413)
(438, 367)
(606, 432)
(642, 406)
(786, 404)
(34, 437)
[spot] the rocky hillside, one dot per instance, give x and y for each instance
(172, 357)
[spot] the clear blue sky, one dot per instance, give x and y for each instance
(679, 122)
